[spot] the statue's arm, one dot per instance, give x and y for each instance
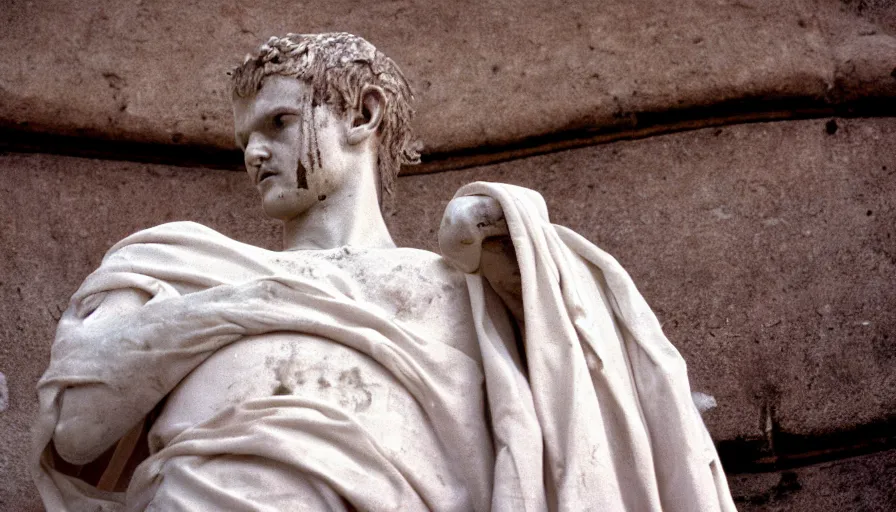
(94, 416)
(474, 222)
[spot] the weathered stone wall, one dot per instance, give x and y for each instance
(486, 73)
(768, 250)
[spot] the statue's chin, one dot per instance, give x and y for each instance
(283, 208)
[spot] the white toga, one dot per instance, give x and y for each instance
(373, 368)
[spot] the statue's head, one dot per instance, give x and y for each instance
(344, 73)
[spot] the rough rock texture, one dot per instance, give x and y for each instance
(864, 484)
(768, 251)
(486, 73)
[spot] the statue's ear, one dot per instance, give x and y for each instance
(367, 119)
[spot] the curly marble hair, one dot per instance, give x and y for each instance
(338, 65)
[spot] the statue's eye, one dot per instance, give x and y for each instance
(280, 120)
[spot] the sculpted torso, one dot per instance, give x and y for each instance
(415, 288)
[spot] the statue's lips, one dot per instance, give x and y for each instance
(265, 174)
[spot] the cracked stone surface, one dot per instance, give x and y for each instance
(866, 483)
(486, 73)
(4, 393)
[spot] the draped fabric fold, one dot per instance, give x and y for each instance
(601, 418)
(154, 349)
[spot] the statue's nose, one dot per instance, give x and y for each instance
(257, 151)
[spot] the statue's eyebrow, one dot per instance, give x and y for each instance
(276, 111)
(263, 118)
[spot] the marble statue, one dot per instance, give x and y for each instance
(519, 370)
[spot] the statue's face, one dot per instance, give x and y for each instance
(295, 153)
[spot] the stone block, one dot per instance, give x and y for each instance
(486, 74)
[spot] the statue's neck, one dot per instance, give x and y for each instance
(350, 216)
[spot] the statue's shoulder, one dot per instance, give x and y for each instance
(410, 258)
(178, 228)
(180, 233)
(182, 244)
(420, 289)
(410, 253)
(413, 268)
